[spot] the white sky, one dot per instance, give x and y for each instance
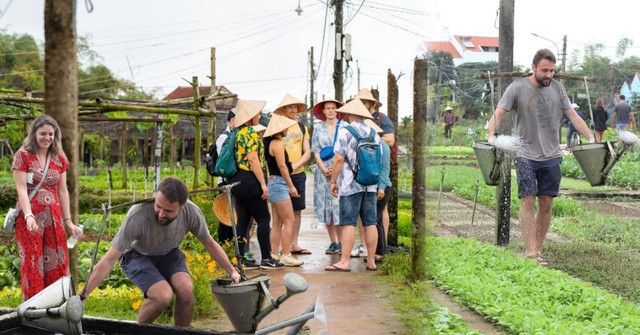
(262, 45)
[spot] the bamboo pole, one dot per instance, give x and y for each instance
(526, 74)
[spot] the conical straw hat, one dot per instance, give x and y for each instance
(355, 107)
(247, 109)
(289, 100)
(277, 124)
(373, 125)
(317, 109)
(258, 128)
(221, 210)
(365, 94)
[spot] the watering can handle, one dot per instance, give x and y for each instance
(268, 295)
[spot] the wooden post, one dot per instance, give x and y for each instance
(419, 188)
(213, 119)
(505, 60)
(61, 93)
(197, 139)
(392, 206)
(312, 79)
(123, 155)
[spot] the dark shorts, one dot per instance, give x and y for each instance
(300, 182)
(361, 204)
(538, 177)
(144, 271)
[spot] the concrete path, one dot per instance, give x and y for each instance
(354, 302)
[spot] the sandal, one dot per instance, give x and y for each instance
(539, 259)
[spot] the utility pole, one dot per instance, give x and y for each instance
(312, 80)
(358, 68)
(505, 64)
(338, 80)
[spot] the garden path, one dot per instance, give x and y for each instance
(354, 301)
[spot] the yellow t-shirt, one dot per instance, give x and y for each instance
(293, 144)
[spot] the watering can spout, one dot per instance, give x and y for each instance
(597, 159)
(56, 308)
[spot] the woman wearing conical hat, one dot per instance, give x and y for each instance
(252, 193)
(325, 205)
(299, 151)
(281, 188)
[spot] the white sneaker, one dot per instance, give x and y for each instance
(289, 260)
(358, 251)
(275, 257)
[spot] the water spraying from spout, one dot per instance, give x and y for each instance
(628, 137)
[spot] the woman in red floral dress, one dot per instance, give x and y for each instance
(42, 242)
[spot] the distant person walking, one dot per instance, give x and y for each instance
(572, 129)
(600, 118)
(326, 207)
(622, 116)
(449, 119)
(538, 103)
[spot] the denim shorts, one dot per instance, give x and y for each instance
(278, 189)
(538, 177)
(144, 271)
(361, 204)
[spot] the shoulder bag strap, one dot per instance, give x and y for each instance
(35, 190)
(335, 132)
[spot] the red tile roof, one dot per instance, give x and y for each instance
(182, 92)
(443, 46)
(478, 42)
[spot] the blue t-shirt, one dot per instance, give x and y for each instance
(384, 122)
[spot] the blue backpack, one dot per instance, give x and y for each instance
(368, 156)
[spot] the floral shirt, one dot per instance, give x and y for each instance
(247, 141)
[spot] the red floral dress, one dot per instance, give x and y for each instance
(43, 254)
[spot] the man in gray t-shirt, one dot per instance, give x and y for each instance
(622, 116)
(148, 243)
(537, 104)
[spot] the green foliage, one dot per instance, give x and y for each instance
(498, 284)
(9, 265)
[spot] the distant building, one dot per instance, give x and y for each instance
(629, 90)
(466, 49)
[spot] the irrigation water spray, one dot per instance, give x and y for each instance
(628, 137)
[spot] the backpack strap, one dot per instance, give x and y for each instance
(354, 132)
(302, 128)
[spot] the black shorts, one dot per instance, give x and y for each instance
(144, 271)
(300, 182)
(538, 177)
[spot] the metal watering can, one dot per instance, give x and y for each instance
(597, 159)
(489, 158)
(243, 302)
(57, 308)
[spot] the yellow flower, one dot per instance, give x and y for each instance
(132, 296)
(136, 305)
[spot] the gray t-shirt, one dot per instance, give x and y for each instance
(140, 230)
(538, 112)
(623, 113)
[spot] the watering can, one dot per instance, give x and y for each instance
(57, 308)
(243, 301)
(597, 159)
(489, 158)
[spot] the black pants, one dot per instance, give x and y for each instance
(249, 204)
(381, 247)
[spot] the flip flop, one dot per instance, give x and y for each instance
(302, 251)
(372, 269)
(333, 267)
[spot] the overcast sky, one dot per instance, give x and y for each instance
(262, 46)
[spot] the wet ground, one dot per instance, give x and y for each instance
(354, 301)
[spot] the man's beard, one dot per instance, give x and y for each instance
(542, 83)
(164, 222)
